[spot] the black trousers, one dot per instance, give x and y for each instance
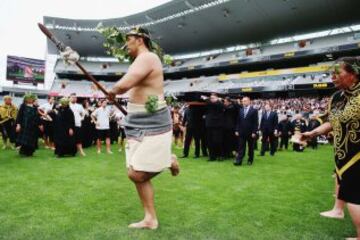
(215, 142)
(191, 134)
(298, 147)
(313, 143)
(65, 149)
(8, 131)
(256, 144)
(114, 132)
(250, 141)
(268, 138)
(48, 130)
(203, 142)
(229, 142)
(284, 142)
(26, 150)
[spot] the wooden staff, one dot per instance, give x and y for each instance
(61, 47)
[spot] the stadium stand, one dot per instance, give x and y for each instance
(219, 59)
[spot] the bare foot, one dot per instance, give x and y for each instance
(175, 167)
(333, 214)
(152, 225)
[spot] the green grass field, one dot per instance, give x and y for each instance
(91, 198)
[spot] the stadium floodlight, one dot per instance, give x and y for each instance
(226, 12)
(179, 14)
(325, 33)
(189, 4)
(149, 18)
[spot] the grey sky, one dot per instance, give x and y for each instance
(20, 35)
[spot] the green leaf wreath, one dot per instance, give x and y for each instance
(115, 40)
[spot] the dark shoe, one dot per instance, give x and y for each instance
(183, 156)
(211, 159)
(196, 156)
(237, 163)
(249, 163)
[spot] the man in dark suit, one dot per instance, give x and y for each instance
(268, 128)
(314, 122)
(195, 129)
(298, 126)
(229, 124)
(246, 128)
(213, 121)
(285, 132)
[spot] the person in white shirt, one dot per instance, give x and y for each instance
(101, 117)
(44, 111)
(79, 114)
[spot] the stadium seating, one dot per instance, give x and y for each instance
(221, 83)
(106, 68)
(267, 50)
(84, 88)
(92, 67)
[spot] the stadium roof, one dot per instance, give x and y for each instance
(185, 26)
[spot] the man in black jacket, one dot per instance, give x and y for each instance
(195, 129)
(285, 132)
(246, 128)
(213, 121)
(313, 123)
(298, 126)
(229, 124)
(268, 128)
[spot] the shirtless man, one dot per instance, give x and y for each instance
(149, 133)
